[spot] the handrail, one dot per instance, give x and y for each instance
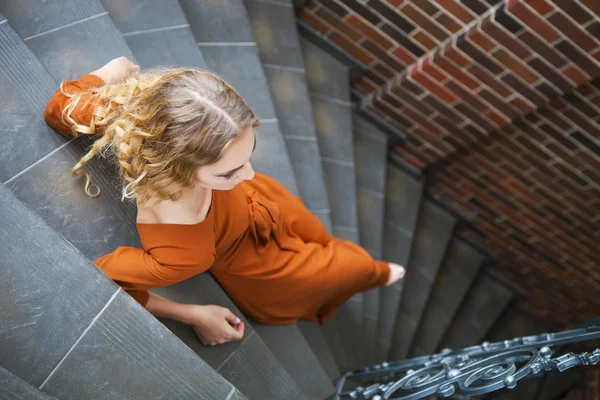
(471, 371)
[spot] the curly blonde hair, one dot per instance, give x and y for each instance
(162, 125)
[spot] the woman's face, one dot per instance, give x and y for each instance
(233, 168)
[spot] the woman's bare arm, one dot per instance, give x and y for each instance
(213, 324)
(116, 70)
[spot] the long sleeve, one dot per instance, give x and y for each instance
(171, 254)
(82, 114)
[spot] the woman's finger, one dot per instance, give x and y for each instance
(237, 332)
(232, 319)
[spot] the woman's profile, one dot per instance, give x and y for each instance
(183, 139)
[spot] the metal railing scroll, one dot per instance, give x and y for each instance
(471, 371)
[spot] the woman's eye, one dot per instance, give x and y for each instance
(230, 176)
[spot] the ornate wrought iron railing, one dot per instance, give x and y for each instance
(471, 371)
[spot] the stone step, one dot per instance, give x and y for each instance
(274, 28)
(73, 333)
(289, 346)
(484, 304)
(454, 279)
(402, 203)
(69, 38)
(314, 336)
(434, 231)
(329, 86)
(14, 388)
(370, 159)
(24, 92)
(157, 32)
(223, 33)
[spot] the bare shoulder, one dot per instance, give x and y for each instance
(168, 212)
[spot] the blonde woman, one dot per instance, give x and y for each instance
(183, 140)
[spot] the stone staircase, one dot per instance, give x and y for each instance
(69, 332)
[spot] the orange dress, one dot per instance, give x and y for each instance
(275, 260)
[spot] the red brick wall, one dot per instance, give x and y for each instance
(502, 99)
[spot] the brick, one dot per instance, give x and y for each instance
(506, 110)
(382, 55)
(379, 74)
(575, 74)
(455, 72)
(403, 56)
(579, 179)
(447, 22)
(313, 21)
(543, 49)
(334, 7)
(387, 112)
(507, 20)
(477, 6)
(478, 55)
(573, 32)
(423, 122)
(363, 11)
(408, 98)
(423, 21)
(587, 90)
(425, 40)
(443, 109)
(574, 10)
(401, 38)
(358, 23)
(534, 96)
(534, 22)
(452, 53)
(393, 101)
(335, 21)
(433, 71)
(507, 40)
(475, 117)
(498, 119)
(411, 87)
(542, 6)
(578, 58)
(426, 6)
(577, 103)
(509, 155)
(351, 48)
(481, 40)
(559, 137)
(516, 66)
(557, 120)
(365, 85)
(587, 126)
(395, 17)
(489, 80)
(466, 96)
(430, 85)
(415, 162)
(456, 9)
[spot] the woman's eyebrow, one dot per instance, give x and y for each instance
(240, 167)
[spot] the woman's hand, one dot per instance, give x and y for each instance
(116, 70)
(214, 324)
